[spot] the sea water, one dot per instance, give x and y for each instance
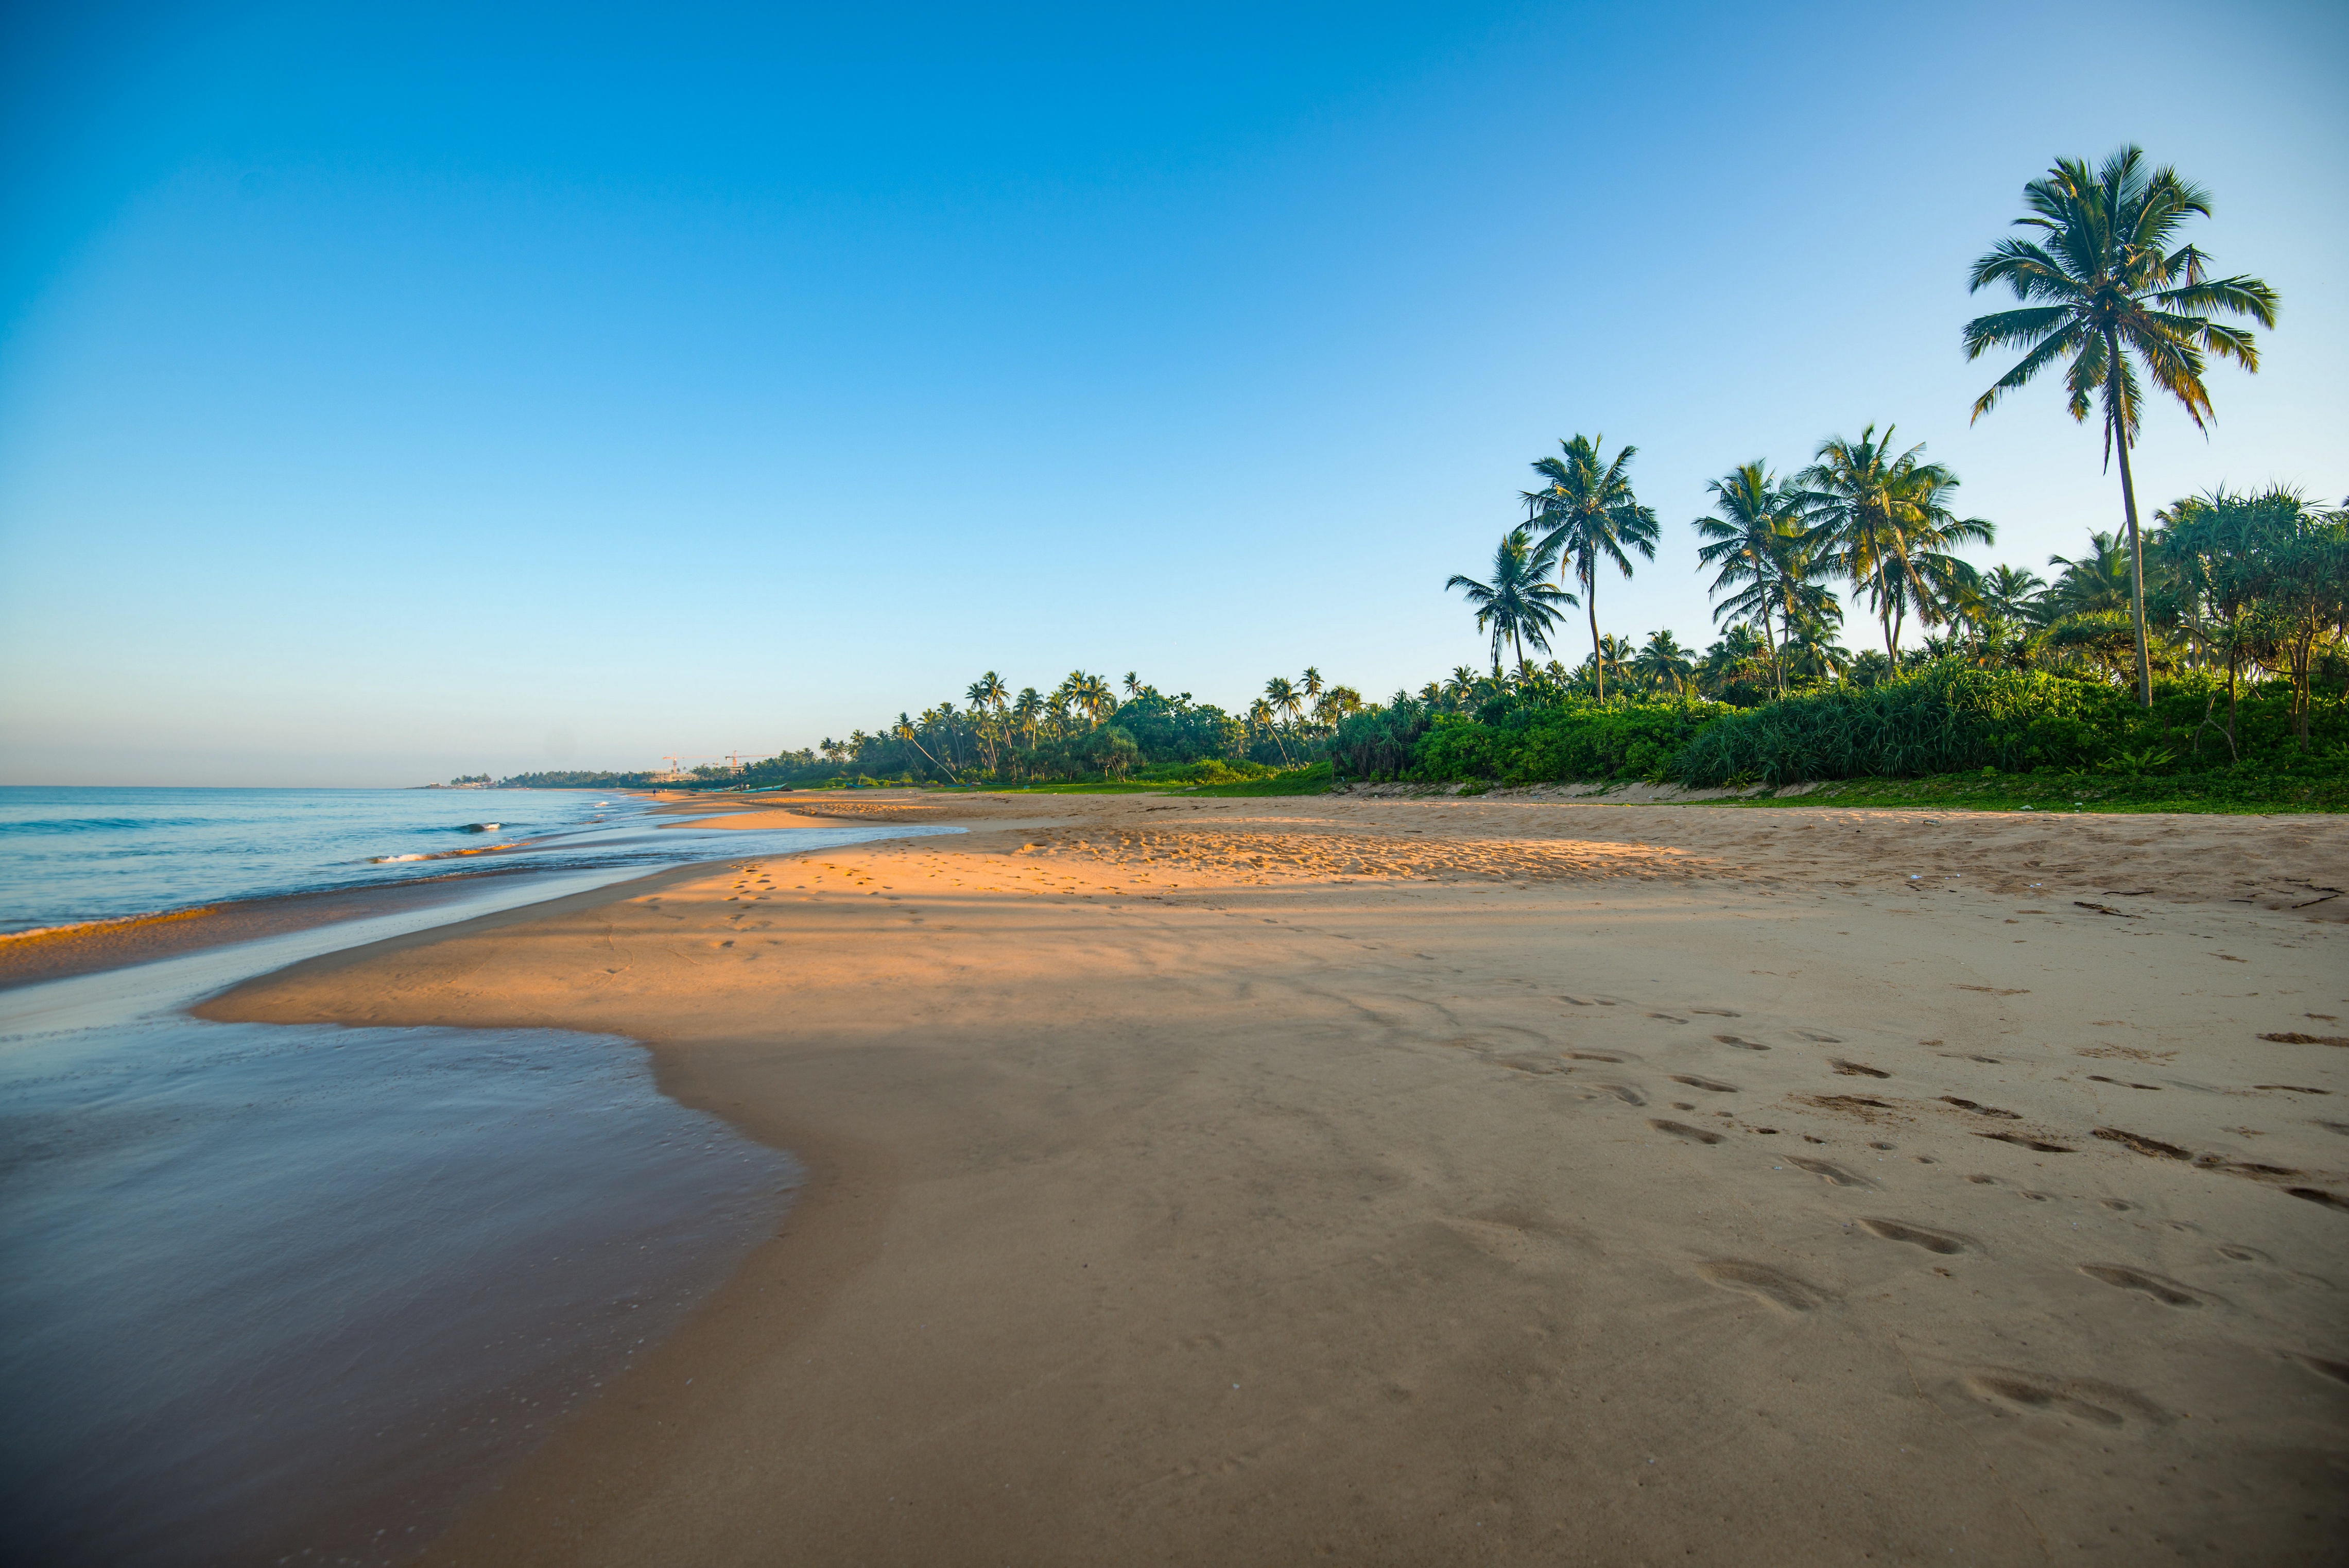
(300, 1292)
(68, 855)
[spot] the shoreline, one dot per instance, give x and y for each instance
(1011, 1057)
(95, 946)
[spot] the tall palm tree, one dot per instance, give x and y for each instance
(1309, 683)
(1516, 605)
(903, 729)
(1664, 664)
(1811, 650)
(1757, 540)
(2013, 593)
(1259, 718)
(1613, 657)
(1282, 694)
(1099, 699)
(1028, 712)
(2103, 579)
(2102, 288)
(1882, 518)
(1588, 515)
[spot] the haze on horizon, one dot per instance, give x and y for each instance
(391, 394)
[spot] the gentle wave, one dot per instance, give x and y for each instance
(100, 824)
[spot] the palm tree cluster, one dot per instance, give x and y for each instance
(2105, 290)
(2243, 585)
(2108, 291)
(1866, 510)
(1080, 728)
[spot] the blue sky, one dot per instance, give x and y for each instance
(386, 392)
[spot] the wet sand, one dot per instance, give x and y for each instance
(1497, 1181)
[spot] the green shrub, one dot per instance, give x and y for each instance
(1950, 718)
(1518, 746)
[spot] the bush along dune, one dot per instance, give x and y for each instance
(1946, 719)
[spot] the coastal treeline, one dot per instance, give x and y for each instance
(1854, 637)
(1082, 728)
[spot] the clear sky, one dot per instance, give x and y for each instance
(388, 391)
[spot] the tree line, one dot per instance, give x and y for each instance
(2239, 587)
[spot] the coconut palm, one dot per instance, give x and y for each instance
(2102, 289)
(1587, 514)
(1759, 550)
(1260, 720)
(1737, 657)
(2013, 594)
(1664, 664)
(2101, 580)
(1028, 712)
(905, 731)
(1613, 659)
(1516, 604)
(1282, 694)
(1810, 650)
(1882, 518)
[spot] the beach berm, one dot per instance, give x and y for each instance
(1262, 1181)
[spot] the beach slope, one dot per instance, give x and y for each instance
(1410, 1181)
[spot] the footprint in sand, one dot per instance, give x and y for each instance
(1822, 1039)
(1715, 1011)
(1714, 1084)
(1937, 1242)
(1681, 1129)
(2022, 1391)
(1623, 1092)
(1826, 1170)
(1668, 1018)
(2168, 1292)
(1535, 1065)
(1742, 1044)
(1763, 1283)
(2336, 1370)
(1595, 1056)
(1856, 1069)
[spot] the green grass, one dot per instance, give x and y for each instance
(2220, 792)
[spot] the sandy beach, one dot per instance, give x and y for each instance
(1467, 1180)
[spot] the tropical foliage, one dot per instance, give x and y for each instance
(2105, 290)
(1587, 516)
(2211, 636)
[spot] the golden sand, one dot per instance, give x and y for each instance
(1498, 1181)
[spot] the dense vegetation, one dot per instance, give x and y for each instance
(2204, 644)
(571, 780)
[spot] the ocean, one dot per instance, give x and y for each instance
(286, 1292)
(73, 854)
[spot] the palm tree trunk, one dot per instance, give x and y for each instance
(1597, 664)
(2128, 501)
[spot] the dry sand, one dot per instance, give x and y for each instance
(1261, 1181)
